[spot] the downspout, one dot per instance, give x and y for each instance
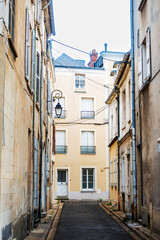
(33, 130)
(118, 123)
(41, 130)
(133, 115)
(140, 126)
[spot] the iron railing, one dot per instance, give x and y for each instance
(88, 149)
(87, 114)
(63, 115)
(61, 149)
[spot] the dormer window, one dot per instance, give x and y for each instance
(79, 82)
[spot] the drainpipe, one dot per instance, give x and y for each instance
(33, 130)
(140, 126)
(133, 114)
(41, 130)
(118, 123)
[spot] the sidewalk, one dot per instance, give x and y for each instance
(42, 231)
(141, 231)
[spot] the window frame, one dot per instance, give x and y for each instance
(64, 146)
(93, 147)
(37, 80)
(11, 23)
(90, 113)
(87, 189)
(81, 89)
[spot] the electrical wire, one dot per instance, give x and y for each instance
(71, 70)
(79, 50)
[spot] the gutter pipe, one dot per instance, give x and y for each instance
(41, 130)
(133, 114)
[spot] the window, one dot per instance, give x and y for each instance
(123, 173)
(144, 61)
(79, 82)
(62, 102)
(37, 77)
(49, 95)
(61, 141)
(87, 107)
(111, 127)
(115, 172)
(27, 46)
(111, 173)
(87, 142)
(12, 18)
(88, 182)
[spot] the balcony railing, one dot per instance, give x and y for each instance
(63, 115)
(87, 114)
(88, 149)
(61, 149)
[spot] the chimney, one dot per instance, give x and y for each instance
(93, 58)
(105, 47)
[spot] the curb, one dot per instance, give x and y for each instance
(53, 227)
(135, 232)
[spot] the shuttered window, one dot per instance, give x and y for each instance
(49, 95)
(115, 172)
(37, 77)
(61, 142)
(111, 173)
(11, 18)
(87, 138)
(36, 173)
(27, 46)
(144, 60)
(33, 60)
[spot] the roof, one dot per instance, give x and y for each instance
(65, 61)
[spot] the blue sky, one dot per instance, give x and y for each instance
(88, 24)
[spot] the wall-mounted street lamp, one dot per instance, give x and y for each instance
(56, 94)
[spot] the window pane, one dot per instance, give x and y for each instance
(61, 176)
(84, 172)
(84, 178)
(90, 178)
(90, 171)
(84, 185)
(90, 185)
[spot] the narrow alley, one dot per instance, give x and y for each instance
(88, 221)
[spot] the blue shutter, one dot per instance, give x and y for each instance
(33, 60)
(27, 46)
(36, 173)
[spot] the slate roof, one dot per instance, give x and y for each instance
(65, 60)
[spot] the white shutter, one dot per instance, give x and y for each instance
(140, 74)
(38, 11)
(84, 138)
(83, 104)
(60, 138)
(27, 46)
(90, 138)
(148, 53)
(33, 60)
(90, 104)
(87, 104)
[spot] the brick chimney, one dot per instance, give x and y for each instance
(93, 58)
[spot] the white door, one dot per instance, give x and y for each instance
(62, 183)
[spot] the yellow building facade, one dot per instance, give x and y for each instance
(80, 160)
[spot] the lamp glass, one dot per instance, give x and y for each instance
(58, 110)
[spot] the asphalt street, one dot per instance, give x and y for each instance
(80, 221)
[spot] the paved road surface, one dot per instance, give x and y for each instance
(81, 221)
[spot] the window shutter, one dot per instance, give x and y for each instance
(90, 139)
(60, 138)
(49, 95)
(37, 77)
(27, 46)
(54, 140)
(148, 53)
(38, 11)
(36, 173)
(33, 60)
(140, 75)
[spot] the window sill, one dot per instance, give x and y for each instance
(144, 85)
(11, 44)
(80, 91)
(88, 191)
